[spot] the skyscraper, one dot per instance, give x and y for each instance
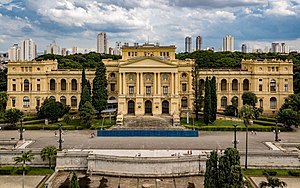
(198, 43)
(53, 48)
(228, 43)
(276, 47)
(102, 44)
(284, 48)
(188, 44)
(28, 50)
(14, 53)
(244, 48)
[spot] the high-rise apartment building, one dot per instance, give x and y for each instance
(228, 43)
(14, 53)
(198, 43)
(244, 48)
(188, 44)
(63, 51)
(284, 48)
(118, 48)
(25, 51)
(28, 50)
(74, 50)
(102, 43)
(53, 48)
(275, 47)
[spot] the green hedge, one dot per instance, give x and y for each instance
(264, 123)
(269, 173)
(294, 173)
(7, 170)
(270, 119)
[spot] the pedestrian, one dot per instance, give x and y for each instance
(55, 133)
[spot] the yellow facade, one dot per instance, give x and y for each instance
(149, 80)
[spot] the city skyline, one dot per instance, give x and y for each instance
(257, 23)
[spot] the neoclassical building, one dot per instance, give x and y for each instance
(149, 80)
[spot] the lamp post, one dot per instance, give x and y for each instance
(60, 141)
(21, 128)
(235, 142)
(276, 132)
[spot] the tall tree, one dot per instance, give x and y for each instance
(49, 153)
(3, 100)
(196, 88)
(13, 116)
(84, 83)
(23, 159)
(100, 88)
(289, 113)
(85, 97)
(213, 99)
(247, 113)
(74, 181)
(86, 114)
(207, 102)
(212, 172)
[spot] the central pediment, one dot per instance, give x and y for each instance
(147, 62)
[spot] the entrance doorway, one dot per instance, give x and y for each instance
(165, 107)
(148, 107)
(131, 107)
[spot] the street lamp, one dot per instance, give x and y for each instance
(60, 140)
(276, 132)
(235, 142)
(21, 128)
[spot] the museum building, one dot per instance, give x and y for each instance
(149, 80)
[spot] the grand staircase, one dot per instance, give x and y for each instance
(145, 122)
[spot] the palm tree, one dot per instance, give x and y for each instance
(247, 113)
(23, 158)
(49, 153)
(272, 182)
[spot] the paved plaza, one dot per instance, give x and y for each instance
(14, 181)
(206, 140)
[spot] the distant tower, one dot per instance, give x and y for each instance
(74, 50)
(199, 43)
(284, 48)
(276, 47)
(228, 43)
(188, 44)
(53, 48)
(102, 44)
(244, 48)
(63, 51)
(28, 50)
(14, 53)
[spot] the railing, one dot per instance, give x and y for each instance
(147, 133)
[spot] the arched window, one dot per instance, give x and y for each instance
(52, 85)
(273, 103)
(26, 102)
(246, 85)
(74, 85)
(261, 103)
(26, 85)
(223, 85)
(223, 102)
(273, 85)
(183, 102)
(63, 85)
(63, 100)
(235, 85)
(112, 98)
(73, 102)
(52, 97)
(184, 75)
(112, 75)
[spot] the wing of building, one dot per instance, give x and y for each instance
(150, 80)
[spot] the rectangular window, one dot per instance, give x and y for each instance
(277, 69)
(165, 90)
(148, 90)
(184, 87)
(269, 69)
(14, 87)
(273, 69)
(286, 87)
(38, 102)
(161, 54)
(167, 53)
(260, 87)
(128, 53)
(131, 89)
(38, 87)
(22, 69)
(13, 102)
(112, 87)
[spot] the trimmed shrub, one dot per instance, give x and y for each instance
(294, 173)
(269, 173)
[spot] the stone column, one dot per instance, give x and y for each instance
(142, 84)
(138, 83)
(155, 84)
(159, 84)
(190, 82)
(176, 83)
(124, 84)
(120, 83)
(172, 83)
